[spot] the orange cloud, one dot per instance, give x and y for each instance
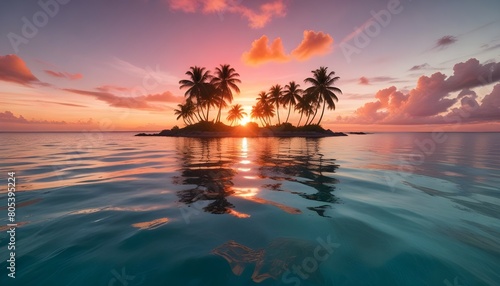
(313, 43)
(14, 69)
(67, 75)
(262, 52)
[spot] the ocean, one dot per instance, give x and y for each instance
(376, 209)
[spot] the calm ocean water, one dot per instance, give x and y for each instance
(379, 209)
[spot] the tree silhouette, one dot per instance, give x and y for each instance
(291, 96)
(235, 113)
(275, 97)
(304, 106)
(225, 81)
(200, 90)
(322, 90)
(186, 112)
(265, 106)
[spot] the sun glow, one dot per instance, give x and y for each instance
(245, 120)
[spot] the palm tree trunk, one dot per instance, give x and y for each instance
(220, 111)
(278, 112)
(197, 115)
(201, 113)
(208, 111)
(289, 109)
(322, 112)
(298, 124)
(315, 112)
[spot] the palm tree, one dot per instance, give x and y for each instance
(225, 81)
(235, 113)
(256, 113)
(266, 107)
(275, 95)
(199, 89)
(322, 90)
(186, 111)
(291, 96)
(304, 106)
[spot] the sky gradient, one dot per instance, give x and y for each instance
(115, 65)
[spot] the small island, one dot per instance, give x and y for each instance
(205, 91)
(218, 130)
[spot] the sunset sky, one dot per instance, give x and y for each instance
(115, 65)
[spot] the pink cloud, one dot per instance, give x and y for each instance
(189, 6)
(313, 43)
(14, 69)
(66, 75)
(9, 117)
(262, 52)
(212, 6)
(364, 81)
(109, 88)
(167, 96)
(471, 74)
(430, 103)
(136, 102)
(11, 122)
(257, 18)
(265, 14)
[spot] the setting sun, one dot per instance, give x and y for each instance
(245, 120)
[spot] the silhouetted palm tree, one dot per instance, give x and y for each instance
(275, 95)
(264, 103)
(291, 96)
(256, 113)
(304, 106)
(235, 113)
(322, 90)
(199, 89)
(225, 81)
(186, 111)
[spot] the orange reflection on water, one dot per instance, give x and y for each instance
(283, 207)
(119, 209)
(251, 177)
(238, 214)
(245, 192)
(250, 194)
(151, 224)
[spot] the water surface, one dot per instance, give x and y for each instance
(379, 209)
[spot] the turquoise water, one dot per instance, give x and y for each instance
(379, 209)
